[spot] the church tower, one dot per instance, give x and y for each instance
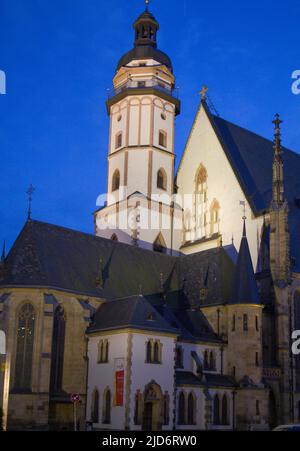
(142, 108)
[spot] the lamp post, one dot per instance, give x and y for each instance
(2, 375)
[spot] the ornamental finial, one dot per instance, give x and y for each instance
(203, 92)
(29, 193)
(147, 4)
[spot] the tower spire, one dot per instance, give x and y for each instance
(278, 183)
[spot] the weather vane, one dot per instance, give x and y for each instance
(203, 92)
(29, 193)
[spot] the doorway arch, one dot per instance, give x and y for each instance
(153, 408)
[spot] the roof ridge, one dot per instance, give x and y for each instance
(269, 140)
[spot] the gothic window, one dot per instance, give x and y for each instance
(116, 181)
(233, 323)
(156, 352)
(95, 407)
(181, 408)
(225, 410)
(214, 216)
(106, 418)
(216, 410)
(212, 361)
(201, 197)
(256, 323)
(25, 342)
(179, 357)
(191, 409)
(103, 351)
(162, 179)
(149, 352)
(162, 140)
(58, 347)
(118, 140)
(245, 323)
(166, 409)
(206, 362)
(256, 359)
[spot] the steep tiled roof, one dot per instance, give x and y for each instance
(251, 157)
(209, 379)
(133, 312)
(245, 289)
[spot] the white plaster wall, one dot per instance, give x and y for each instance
(143, 373)
(204, 147)
(102, 376)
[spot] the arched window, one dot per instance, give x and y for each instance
(214, 216)
(100, 351)
(224, 410)
(162, 139)
(106, 352)
(25, 342)
(179, 357)
(149, 352)
(233, 323)
(106, 419)
(103, 351)
(212, 361)
(191, 409)
(95, 407)
(166, 411)
(206, 362)
(216, 410)
(116, 180)
(162, 179)
(114, 237)
(156, 352)
(58, 347)
(118, 140)
(181, 408)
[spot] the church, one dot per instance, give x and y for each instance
(177, 313)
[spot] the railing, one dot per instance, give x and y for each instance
(148, 85)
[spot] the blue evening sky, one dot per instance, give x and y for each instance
(60, 56)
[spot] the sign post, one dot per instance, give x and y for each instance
(75, 398)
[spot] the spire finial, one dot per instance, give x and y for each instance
(278, 184)
(3, 252)
(29, 193)
(147, 4)
(243, 204)
(203, 92)
(277, 135)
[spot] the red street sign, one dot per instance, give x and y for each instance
(75, 398)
